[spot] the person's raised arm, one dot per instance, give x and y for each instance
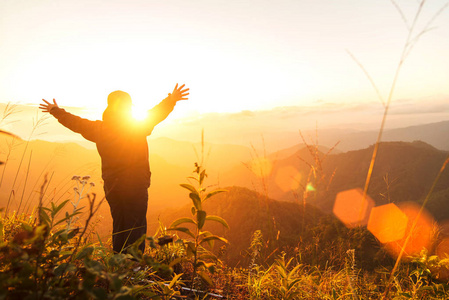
(179, 93)
(47, 106)
(87, 128)
(161, 111)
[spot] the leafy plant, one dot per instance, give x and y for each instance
(287, 281)
(201, 259)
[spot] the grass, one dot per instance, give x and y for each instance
(413, 37)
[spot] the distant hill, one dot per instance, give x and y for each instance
(282, 223)
(402, 172)
(302, 231)
(435, 134)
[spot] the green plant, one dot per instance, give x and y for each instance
(81, 184)
(200, 258)
(43, 258)
(287, 282)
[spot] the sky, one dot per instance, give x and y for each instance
(260, 58)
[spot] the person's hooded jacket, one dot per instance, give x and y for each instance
(120, 140)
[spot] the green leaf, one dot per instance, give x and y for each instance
(214, 238)
(189, 187)
(218, 219)
(201, 218)
(63, 220)
(174, 280)
(196, 200)
(191, 177)
(209, 256)
(1, 231)
(60, 206)
(205, 233)
(181, 221)
(191, 250)
(72, 233)
(213, 193)
(44, 217)
(202, 176)
(175, 261)
(46, 208)
(64, 268)
(85, 253)
(183, 229)
(26, 226)
(205, 277)
(193, 210)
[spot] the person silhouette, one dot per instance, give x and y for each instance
(122, 144)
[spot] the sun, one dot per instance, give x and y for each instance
(139, 113)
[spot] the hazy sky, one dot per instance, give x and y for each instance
(234, 55)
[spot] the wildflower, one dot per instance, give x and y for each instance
(87, 177)
(76, 177)
(92, 184)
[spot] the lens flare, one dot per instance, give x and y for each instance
(419, 232)
(387, 223)
(351, 208)
(261, 167)
(442, 249)
(310, 188)
(287, 178)
(441, 271)
(444, 228)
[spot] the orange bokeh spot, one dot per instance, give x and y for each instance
(420, 237)
(288, 178)
(441, 271)
(261, 167)
(444, 228)
(351, 208)
(442, 249)
(387, 223)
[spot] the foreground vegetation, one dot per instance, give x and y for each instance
(49, 255)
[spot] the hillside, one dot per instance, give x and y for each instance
(280, 203)
(403, 172)
(434, 134)
(299, 230)
(283, 224)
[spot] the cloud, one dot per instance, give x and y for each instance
(431, 105)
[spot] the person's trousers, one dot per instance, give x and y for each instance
(128, 209)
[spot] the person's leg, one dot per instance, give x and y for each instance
(128, 210)
(135, 216)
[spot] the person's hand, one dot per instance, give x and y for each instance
(47, 106)
(179, 93)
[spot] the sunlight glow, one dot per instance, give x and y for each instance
(352, 209)
(139, 113)
(288, 178)
(261, 167)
